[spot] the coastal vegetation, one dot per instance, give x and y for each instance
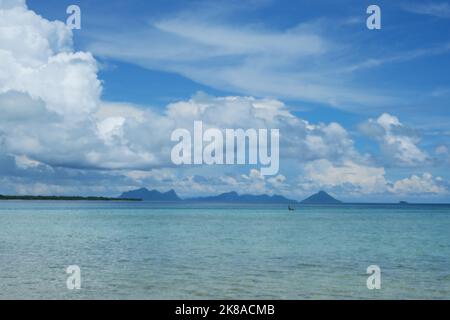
(65, 198)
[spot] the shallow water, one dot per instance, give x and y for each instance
(198, 251)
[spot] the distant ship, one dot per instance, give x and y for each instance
(291, 208)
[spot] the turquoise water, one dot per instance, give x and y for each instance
(151, 251)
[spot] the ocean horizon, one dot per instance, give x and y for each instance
(146, 250)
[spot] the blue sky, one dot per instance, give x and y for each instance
(387, 90)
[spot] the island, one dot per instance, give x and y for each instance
(321, 198)
(151, 195)
(228, 197)
(234, 197)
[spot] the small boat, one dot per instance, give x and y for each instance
(291, 208)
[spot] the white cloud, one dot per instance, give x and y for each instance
(111, 129)
(440, 92)
(354, 177)
(8, 4)
(159, 175)
(327, 141)
(27, 39)
(226, 40)
(278, 182)
(300, 140)
(49, 189)
(398, 57)
(398, 143)
(36, 58)
(50, 98)
(24, 162)
(437, 9)
(292, 63)
(441, 150)
(18, 107)
(253, 175)
(419, 185)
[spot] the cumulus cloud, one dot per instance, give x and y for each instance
(420, 185)
(18, 107)
(398, 143)
(353, 177)
(50, 98)
(278, 182)
(36, 58)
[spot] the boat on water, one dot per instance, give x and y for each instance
(291, 208)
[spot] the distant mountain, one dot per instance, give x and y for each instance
(234, 197)
(321, 198)
(229, 197)
(152, 195)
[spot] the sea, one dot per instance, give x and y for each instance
(143, 250)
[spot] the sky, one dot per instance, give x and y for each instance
(363, 114)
